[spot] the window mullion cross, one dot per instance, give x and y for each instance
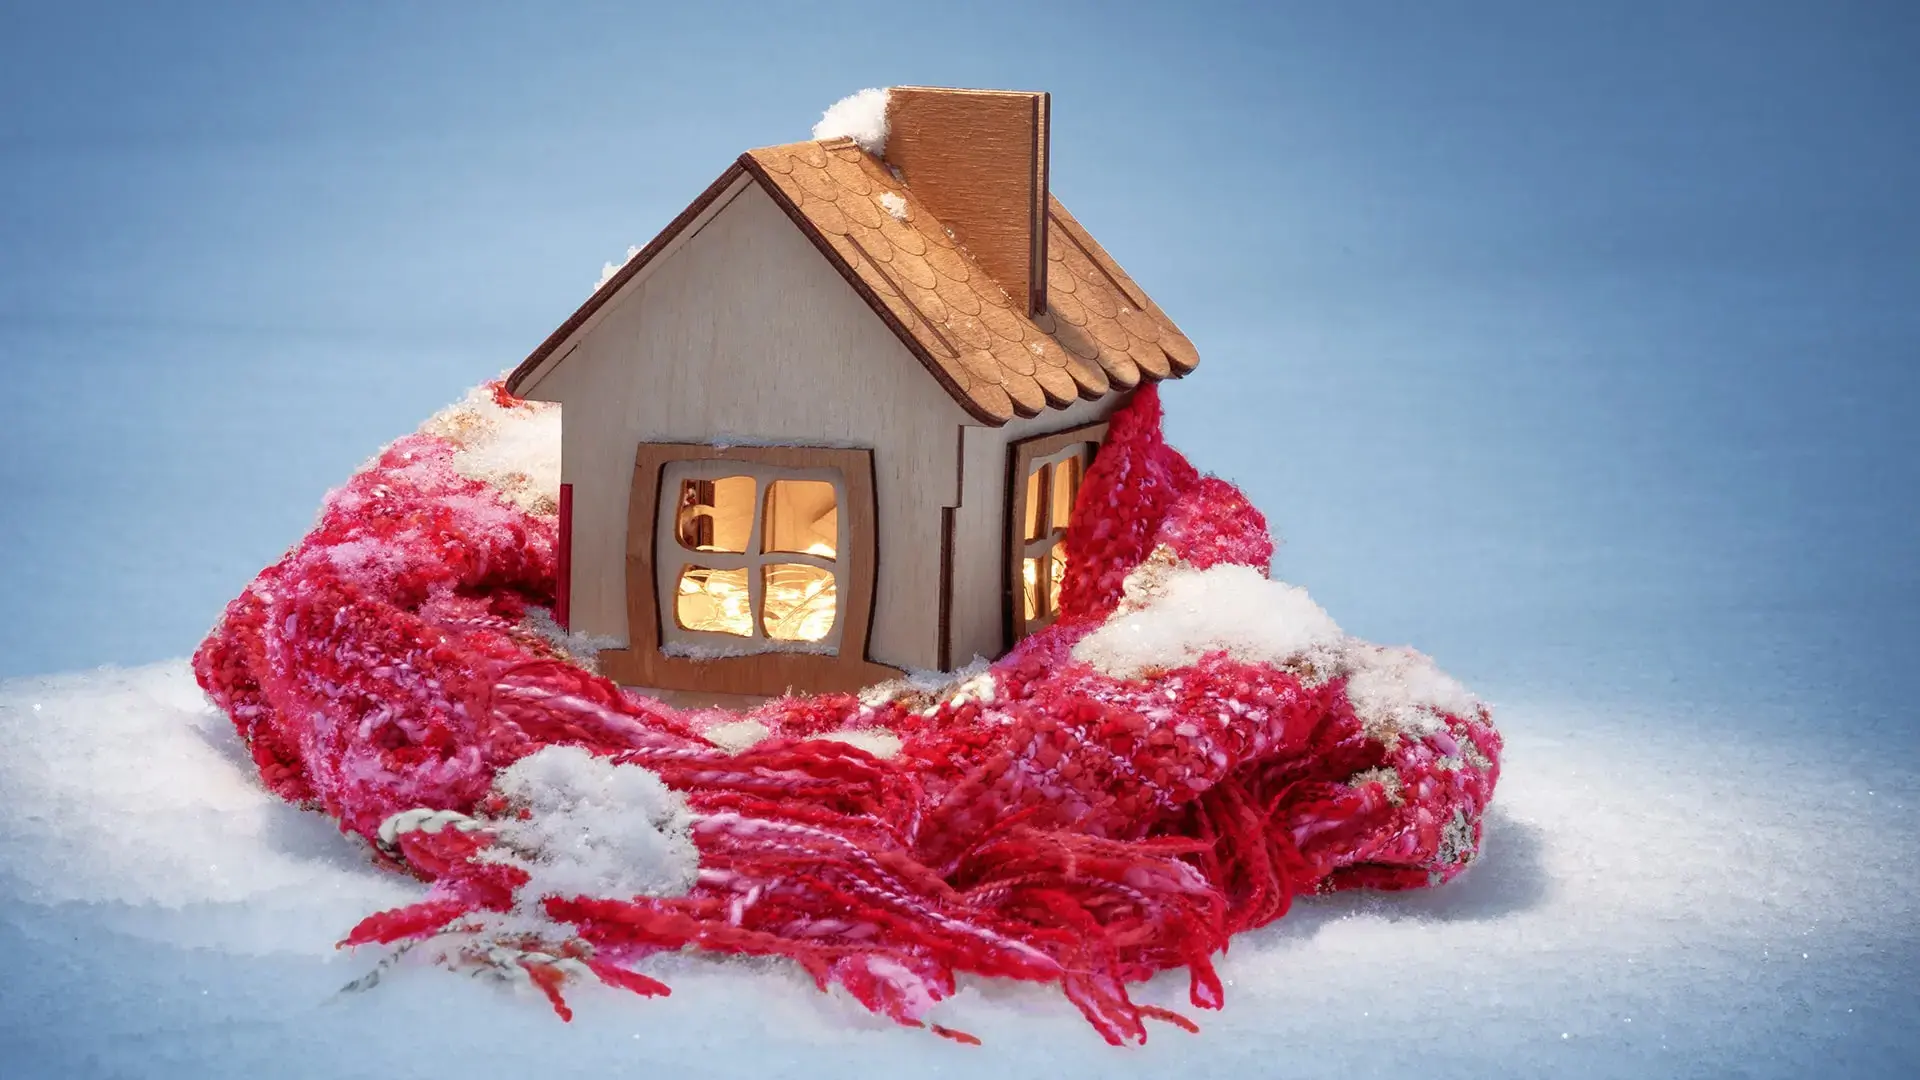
(717, 560)
(756, 578)
(1043, 514)
(801, 557)
(1054, 555)
(1050, 534)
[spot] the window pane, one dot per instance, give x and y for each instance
(799, 602)
(1056, 574)
(1066, 486)
(1030, 586)
(715, 515)
(1036, 523)
(801, 516)
(714, 600)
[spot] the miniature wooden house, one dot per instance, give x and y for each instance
(829, 424)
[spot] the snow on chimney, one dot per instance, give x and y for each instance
(978, 160)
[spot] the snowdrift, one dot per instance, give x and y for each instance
(1187, 748)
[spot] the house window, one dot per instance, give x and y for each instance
(749, 556)
(1046, 474)
(750, 570)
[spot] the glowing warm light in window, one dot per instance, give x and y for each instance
(801, 516)
(1046, 508)
(715, 601)
(1066, 486)
(1056, 576)
(1030, 578)
(799, 603)
(1035, 506)
(796, 519)
(716, 515)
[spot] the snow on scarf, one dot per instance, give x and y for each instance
(1187, 748)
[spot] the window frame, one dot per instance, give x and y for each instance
(754, 560)
(757, 670)
(1023, 457)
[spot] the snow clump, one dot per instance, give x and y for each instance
(515, 449)
(1188, 613)
(607, 270)
(1173, 614)
(861, 117)
(594, 828)
(1401, 689)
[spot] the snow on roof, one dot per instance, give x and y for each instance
(1099, 332)
(861, 117)
(607, 270)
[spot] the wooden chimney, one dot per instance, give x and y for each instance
(978, 159)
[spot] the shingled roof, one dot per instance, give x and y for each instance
(1098, 332)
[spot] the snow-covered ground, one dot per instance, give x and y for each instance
(1680, 904)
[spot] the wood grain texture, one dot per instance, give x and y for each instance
(946, 587)
(765, 465)
(977, 617)
(764, 673)
(709, 202)
(1099, 332)
(805, 298)
(1022, 456)
(1104, 294)
(745, 335)
(978, 159)
(998, 362)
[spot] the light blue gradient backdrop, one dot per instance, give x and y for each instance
(1576, 344)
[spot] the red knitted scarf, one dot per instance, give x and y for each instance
(1045, 821)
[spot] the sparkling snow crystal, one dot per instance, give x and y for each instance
(168, 917)
(1173, 614)
(515, 449)
(1400, 689)
(596, 828)
(1192, 612)
(861, 117)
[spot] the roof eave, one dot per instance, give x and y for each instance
(608, 289)
(865, 292)
(1179, 360)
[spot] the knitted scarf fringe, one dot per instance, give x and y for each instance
(1066, 828)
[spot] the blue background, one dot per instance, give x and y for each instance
(1576, 344)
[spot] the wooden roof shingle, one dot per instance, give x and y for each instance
(1099, 331)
